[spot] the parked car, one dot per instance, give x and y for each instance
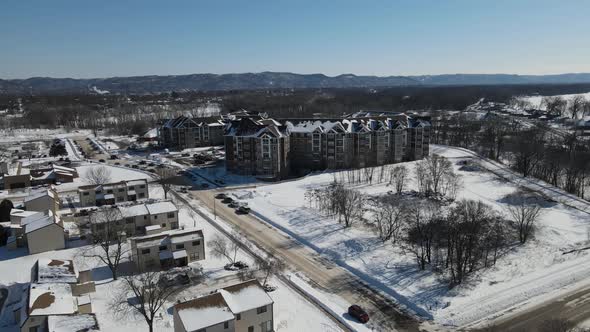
(227, 200)
(358, 313)
(117, 163)
(243, 209)
(101, 160)
(234, 205)
(221, 196)
(134, 166)
(142, 162)
(113, 157)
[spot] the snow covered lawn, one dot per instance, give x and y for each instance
(535, 269)
(116, 173)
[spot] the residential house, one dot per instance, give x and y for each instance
(17, 177)
(243, 307)
(112, 193)
(43, 201)
(57, 293)
(39, 231)
(137, 219)
(167, 249)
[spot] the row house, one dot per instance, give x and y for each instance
(37, 230)
(112, 193)
(276, 149)
(135, 220)
(243, 307)
(185, 133)
(57, 295)
(167, 249)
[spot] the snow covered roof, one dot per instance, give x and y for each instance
(72, 323)
(38, 195)
(152, 133)
(133, 210)
(136, 182)
(24, 214)
(168, 237)
(40, 223)
(203, 312)
(55, 271)
(51, 299)
(245, 296)
(161, 207)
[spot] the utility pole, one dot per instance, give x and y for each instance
(214, 209)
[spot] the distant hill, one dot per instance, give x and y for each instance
(265, 80)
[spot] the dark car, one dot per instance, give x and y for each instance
(358, 313)
(220, 196)
(101, 160)
(117, 163)
(243, 210)
(227, 200)
(113, 157)
(142, 162)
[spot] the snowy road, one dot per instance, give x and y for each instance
(385, 314)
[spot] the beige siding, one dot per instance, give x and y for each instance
(46, 239)
(252, 318)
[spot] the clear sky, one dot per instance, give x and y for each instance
(105, 38)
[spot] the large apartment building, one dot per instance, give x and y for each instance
(185, 133)
(275, 149)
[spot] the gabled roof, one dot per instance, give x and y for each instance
(245, 296)
(40, 223)
(203, 312)
(51, 299)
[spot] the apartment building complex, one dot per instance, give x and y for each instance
(244, 307)
(136, 220)
(112, 193)
(167, 249)
(185, 133)
(275, 149)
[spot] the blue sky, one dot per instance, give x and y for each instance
(121, 38)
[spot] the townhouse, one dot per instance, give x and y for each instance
(57, 295)
(38, 231)
(138, 219)
(185, 133)
(112, 193)
(43, 201)
(243, 307)
(167, 249)
(276, 149)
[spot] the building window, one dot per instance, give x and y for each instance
(129, 220)
(142, 186)
(250, 328)
(194, 257)
(261, 310)
(141, 195)
(85, 194)
(145, 251)
(238, 316)
(266, 326)
(171, 215)
(156, 216)
(33, 328)
(226, 325)
(164, 225)
(174, 225)
(162, 248)
(109, 191)
(266, 147)
(179, 246)
(121, 190)
(196, 243)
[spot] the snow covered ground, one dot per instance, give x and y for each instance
(536, 101)
(525, 272)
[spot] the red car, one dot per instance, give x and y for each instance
(358, 313)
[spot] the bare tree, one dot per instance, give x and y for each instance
(388, 215)
(98, 175)
(554, 105)
(576, 106)
(524, 215)
(143, 295)
(222, 248)
(164, 176)
(269, 266)
(108, 239)
(399, 175)
(350, 205)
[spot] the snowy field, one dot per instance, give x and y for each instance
(536, 101)
(525, 272)
(19, 135)
(289, 306)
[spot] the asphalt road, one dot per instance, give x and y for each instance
(385, 315)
